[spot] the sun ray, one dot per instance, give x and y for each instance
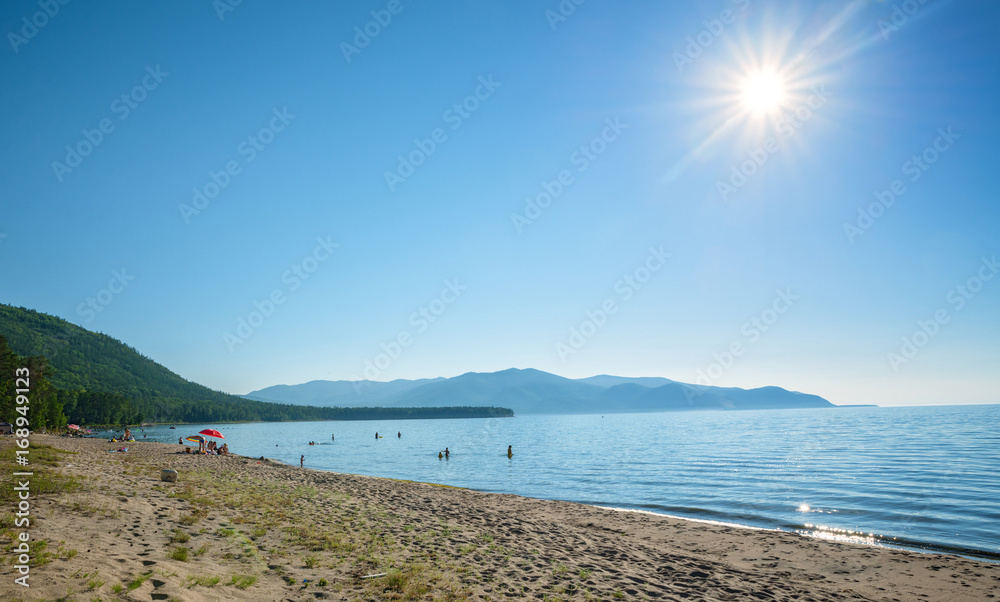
(770, 73)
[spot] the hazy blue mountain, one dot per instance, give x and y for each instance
(605, 380)
(343, 393)
(532, 391)
(768, 398)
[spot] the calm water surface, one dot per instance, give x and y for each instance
(918, 477)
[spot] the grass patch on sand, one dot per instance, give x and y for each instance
(196, 515)
(180, 553)
(243, 581)
(41, 459)
(411, 583)
(104, 510)
(203, 580)
(94, 582)
(138, 581)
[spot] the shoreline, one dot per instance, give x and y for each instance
(864, 538)
(241, 528)
(918, 547)
(853, 538)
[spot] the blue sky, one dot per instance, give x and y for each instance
(370, 216)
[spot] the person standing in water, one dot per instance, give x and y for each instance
(446, 452)
(302, 460)
(399, 435)
(510, 451)
(376, 434)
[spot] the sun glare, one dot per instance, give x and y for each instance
(762, 93)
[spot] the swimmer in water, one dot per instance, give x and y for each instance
(510, 451)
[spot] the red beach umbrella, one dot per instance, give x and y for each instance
(211, 433)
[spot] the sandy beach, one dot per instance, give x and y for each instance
(235, 528)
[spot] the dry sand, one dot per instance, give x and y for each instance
(257, 530)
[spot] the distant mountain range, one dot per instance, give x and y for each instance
(95, 379)
(535, 392)
(90, 362)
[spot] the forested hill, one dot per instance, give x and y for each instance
(84, 377)
(95, 362)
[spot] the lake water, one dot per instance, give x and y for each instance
(916, 477)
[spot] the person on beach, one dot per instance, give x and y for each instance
(302, 460)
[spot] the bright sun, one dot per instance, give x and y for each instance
(762, 93)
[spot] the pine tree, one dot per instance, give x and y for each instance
(8, 364)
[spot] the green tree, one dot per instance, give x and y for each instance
(8, 364)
